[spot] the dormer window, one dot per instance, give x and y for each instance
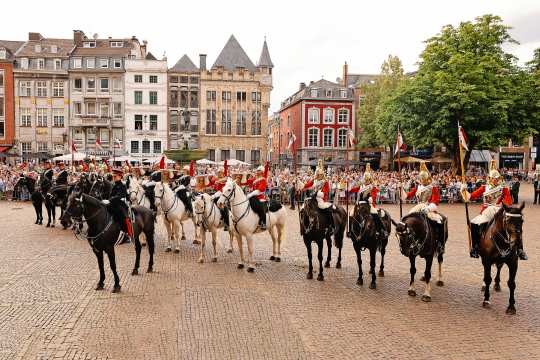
(24, 63)
(328, 93)
(314, 92)
(117, 44)
(37, 48)
(57, 64)
(117, 63)
(343, 93)
(41, 64)
(54, 49)
(3, 53)
(89, 44)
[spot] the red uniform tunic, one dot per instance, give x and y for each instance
(373, 194)
(325, 188)
(259, 184)
(505, 197)
(435, 197)
(217, 184)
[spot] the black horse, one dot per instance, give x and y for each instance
(103, 232)
(365, 233)
(100, 188)
(314, 227)
(420, 236)
(498, 246)
(35, 196)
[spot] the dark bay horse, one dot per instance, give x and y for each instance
(103, 232)
(498, 246)
(365, 234)
(314, 228)
(420, 236)
(35, 196)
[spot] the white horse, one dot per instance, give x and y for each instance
(174, 214)
(246, 222)
(208, 218)
(136, 193)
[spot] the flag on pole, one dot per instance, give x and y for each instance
(98, 145)
(292, 139)
(463, 138)
(352, 139)
(400, 145)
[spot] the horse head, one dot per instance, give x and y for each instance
(513, 222)
(74, 209)
(227, 193)
(411, 239)
(159, 193)
(199, 207)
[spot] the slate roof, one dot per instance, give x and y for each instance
(63, 47)
(150, 56)
(265, 60)
(327, 90)
(11, 47)
(360, 79)
(103, 48)
(233, 56)
(184, 65)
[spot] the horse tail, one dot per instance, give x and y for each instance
(339, 232)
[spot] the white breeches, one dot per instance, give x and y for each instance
(431, 214)
(486, 215)
(320, 202)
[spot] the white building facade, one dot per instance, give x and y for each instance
(145, 84)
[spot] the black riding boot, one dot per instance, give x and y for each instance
(225, 214)
(378, 222)
(262, 215)
(329, 215)
(475, 239)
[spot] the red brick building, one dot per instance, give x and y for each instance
(7, 102)
(320, 117)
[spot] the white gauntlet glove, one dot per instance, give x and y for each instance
(105, 202)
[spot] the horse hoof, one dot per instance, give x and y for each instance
(150, 270)
(511, 310)
(426, 298)
(240, 266)
(370, 272)
(201, 260)
(309, 276)
(250, 269)
(320, 277)
(116, 289)
(497, 288)
(48, 225)
(338, 265)
(214, 259)
(373, 286)
(135, 272)
(272, 258)
(168, 250)
(196, 242)
(176, 251)
(37, 222)
(381, 273)
(360, 282)
(183, 238)
(278, 259)
(52, 225)
(229, 251)
(411, 292)
(440, 283)
(423, 278)
(99, 287)
(486, 304)
(327, 265)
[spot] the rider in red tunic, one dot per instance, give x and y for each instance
(257, 197)
(217, 183)
(322, 189)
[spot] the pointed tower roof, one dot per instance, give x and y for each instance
(233, 56)
(185, 65)
(265, 60)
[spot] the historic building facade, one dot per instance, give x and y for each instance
(7, 103)
(145, 84)
(97, 92)
(42, 96)
(184, 100)
(234, 102)
(321, 118)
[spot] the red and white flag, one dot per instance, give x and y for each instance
(98, 145)
(400, 145)
(462, 138)
(292, 139)
(352, 138)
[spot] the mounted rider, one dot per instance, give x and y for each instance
(217, 183)
(493, 194)
(47, 176)
(185, 181)
(257, 196)
(62, 177)
(118, 204)
(321, 187)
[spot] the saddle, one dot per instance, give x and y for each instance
(182, 195)
(273, 205)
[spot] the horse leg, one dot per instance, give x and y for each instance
(426, 297)
(497, 286)
(183, 234)
(101, 282)
(179, 224)
(512, 270)
(53, 213)
(112, 264)
(251, 265)
(138, 248)
(214, 244)
(198, 233)
(440, 281)
(412, 291)
(372, 254)
(280, 230)
(231, 236)
(383, 252)
(274, 240)
(151, 245)
(310, 259)
(487, 281)
(329, 245)
(203, 247)
(358, 252)
(241, 251)
(170, 234)
(320, 245)
(49, 214)
(338, 264)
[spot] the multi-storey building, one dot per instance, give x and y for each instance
(97, 94)
(145, 84)
(42, 96)
(183, 104)
(273, 139)
(7, 103)
(235, 97)
(320, 117)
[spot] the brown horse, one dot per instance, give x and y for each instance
(498, 245)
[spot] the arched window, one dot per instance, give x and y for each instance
(342, 137)
(328, 116)
(313, 115)
(328, 137)
(343, 116)
(313, 137)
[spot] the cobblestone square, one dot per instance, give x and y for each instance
(186, 310)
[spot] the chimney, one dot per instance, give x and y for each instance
(78, 37)
(202, 62)
(345, 74)
(34, 36)
(302, 85)
(143, 48)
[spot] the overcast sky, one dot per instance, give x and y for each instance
(307, 39)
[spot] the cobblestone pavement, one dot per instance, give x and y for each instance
(186, 310)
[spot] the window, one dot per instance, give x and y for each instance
(91, 136)
(58, 117)
(1, 106)
(240, 123)
(104, 136)
(313, 137)
(183, 99)
(241, 155)
(256, 123)
(3, 54)
(153, 122)
(104, 110)
(57, 64)
(41, 116)
(117, 44)
(343, 93)
(173, 126)
(138, 97)
(103, 63)
(342, 137)
(134, 147)
(225, 155)
(328, 93)
(211, 154)
(89, 44)
(138, 78)
(193, 99)
(210, 95)
(118, 135)
(173, 98)
(138, 122)
(41, 88)
(26, 147)
(37, 48)
(154, 80)
(77, 63)
(117, 85)
(54, 49)
(91, 108)
(1, 79)
(77, 84)
(24, 63)
(173, 79)
(343, 116)
(314, 92)
(117, 109)
(256, 97)
(255, 156)
(146, 147)
(226, 96)
(104, 85)
(58, 88)
(90, 63)
(194, 80)
(328, 116)
(117, 63)
(40, 64)
(211, 121)
(328, 137)
(157, 147)
(42, 146)
(153, 98)
(313, 116)
(91, 84)
(26, 88)
(240, 96)
(183, 79)
(226, 122)
(77, 108)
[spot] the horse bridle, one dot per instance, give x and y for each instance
(161, 202)
(506, 235)
(360, 223)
